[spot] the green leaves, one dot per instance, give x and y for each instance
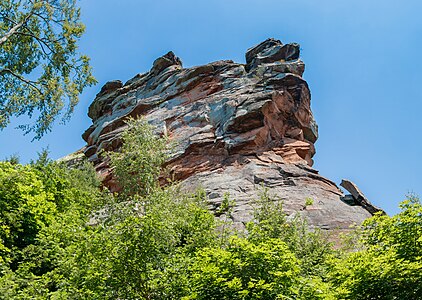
(43, 206)
(25, 207)
(374, 274)
(140, 252)
(390, 264)
(244, 270)
(63, 238)
(41, 72)
(138, 164)
(402, 232)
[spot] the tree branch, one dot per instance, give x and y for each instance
(39, 40)
(21, 78)
(47, 21)
(14, 29)
(42, 42)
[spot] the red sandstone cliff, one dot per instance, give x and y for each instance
(236, 127)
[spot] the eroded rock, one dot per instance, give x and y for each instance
(236, 127)
(358, 197)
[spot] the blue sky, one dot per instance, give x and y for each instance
(363, 65)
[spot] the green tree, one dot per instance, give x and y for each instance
(140, 252)
(25, 207)
(138, 164)
(310, 245)
(402, 232)
(41, 71)
(248, 269)
(245, 270)
(150, 234)
(44, 209)
(389, 264)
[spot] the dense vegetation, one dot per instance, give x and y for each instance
(62, 237)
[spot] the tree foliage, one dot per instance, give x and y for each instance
(41, 205)
(41, 72)
(25, 208)
(137, 165)
(389, 266)
(61, 237)
(236, 272)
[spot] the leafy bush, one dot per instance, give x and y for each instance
(389, 266)
(25, 208)
(61, 237)
(129, 255)
(137, 165)
(41, 204)
(244, 270)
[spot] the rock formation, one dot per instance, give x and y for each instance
(237, 127)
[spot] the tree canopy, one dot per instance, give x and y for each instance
(41, 71)
(63, 237)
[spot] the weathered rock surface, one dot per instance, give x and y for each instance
(359, 198)
(236, 126)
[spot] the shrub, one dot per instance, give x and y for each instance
(138, 163)
(389, 266)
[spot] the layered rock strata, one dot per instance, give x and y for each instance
(237, 128)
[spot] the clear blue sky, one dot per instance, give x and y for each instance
(363, 65)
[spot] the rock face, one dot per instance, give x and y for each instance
(236, 127)
(358, 197)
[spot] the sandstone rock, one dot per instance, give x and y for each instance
(359, 197)
(237, 127)
(75, 159)
(253, 52)
(111, 86)
(162, 63)
(98, 108)
(271, 51)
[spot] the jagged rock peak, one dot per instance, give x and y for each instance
(271, 51)
(236, 127)
(110, 86)
(165, 61)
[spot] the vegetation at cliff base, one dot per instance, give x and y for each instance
(64, 237)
